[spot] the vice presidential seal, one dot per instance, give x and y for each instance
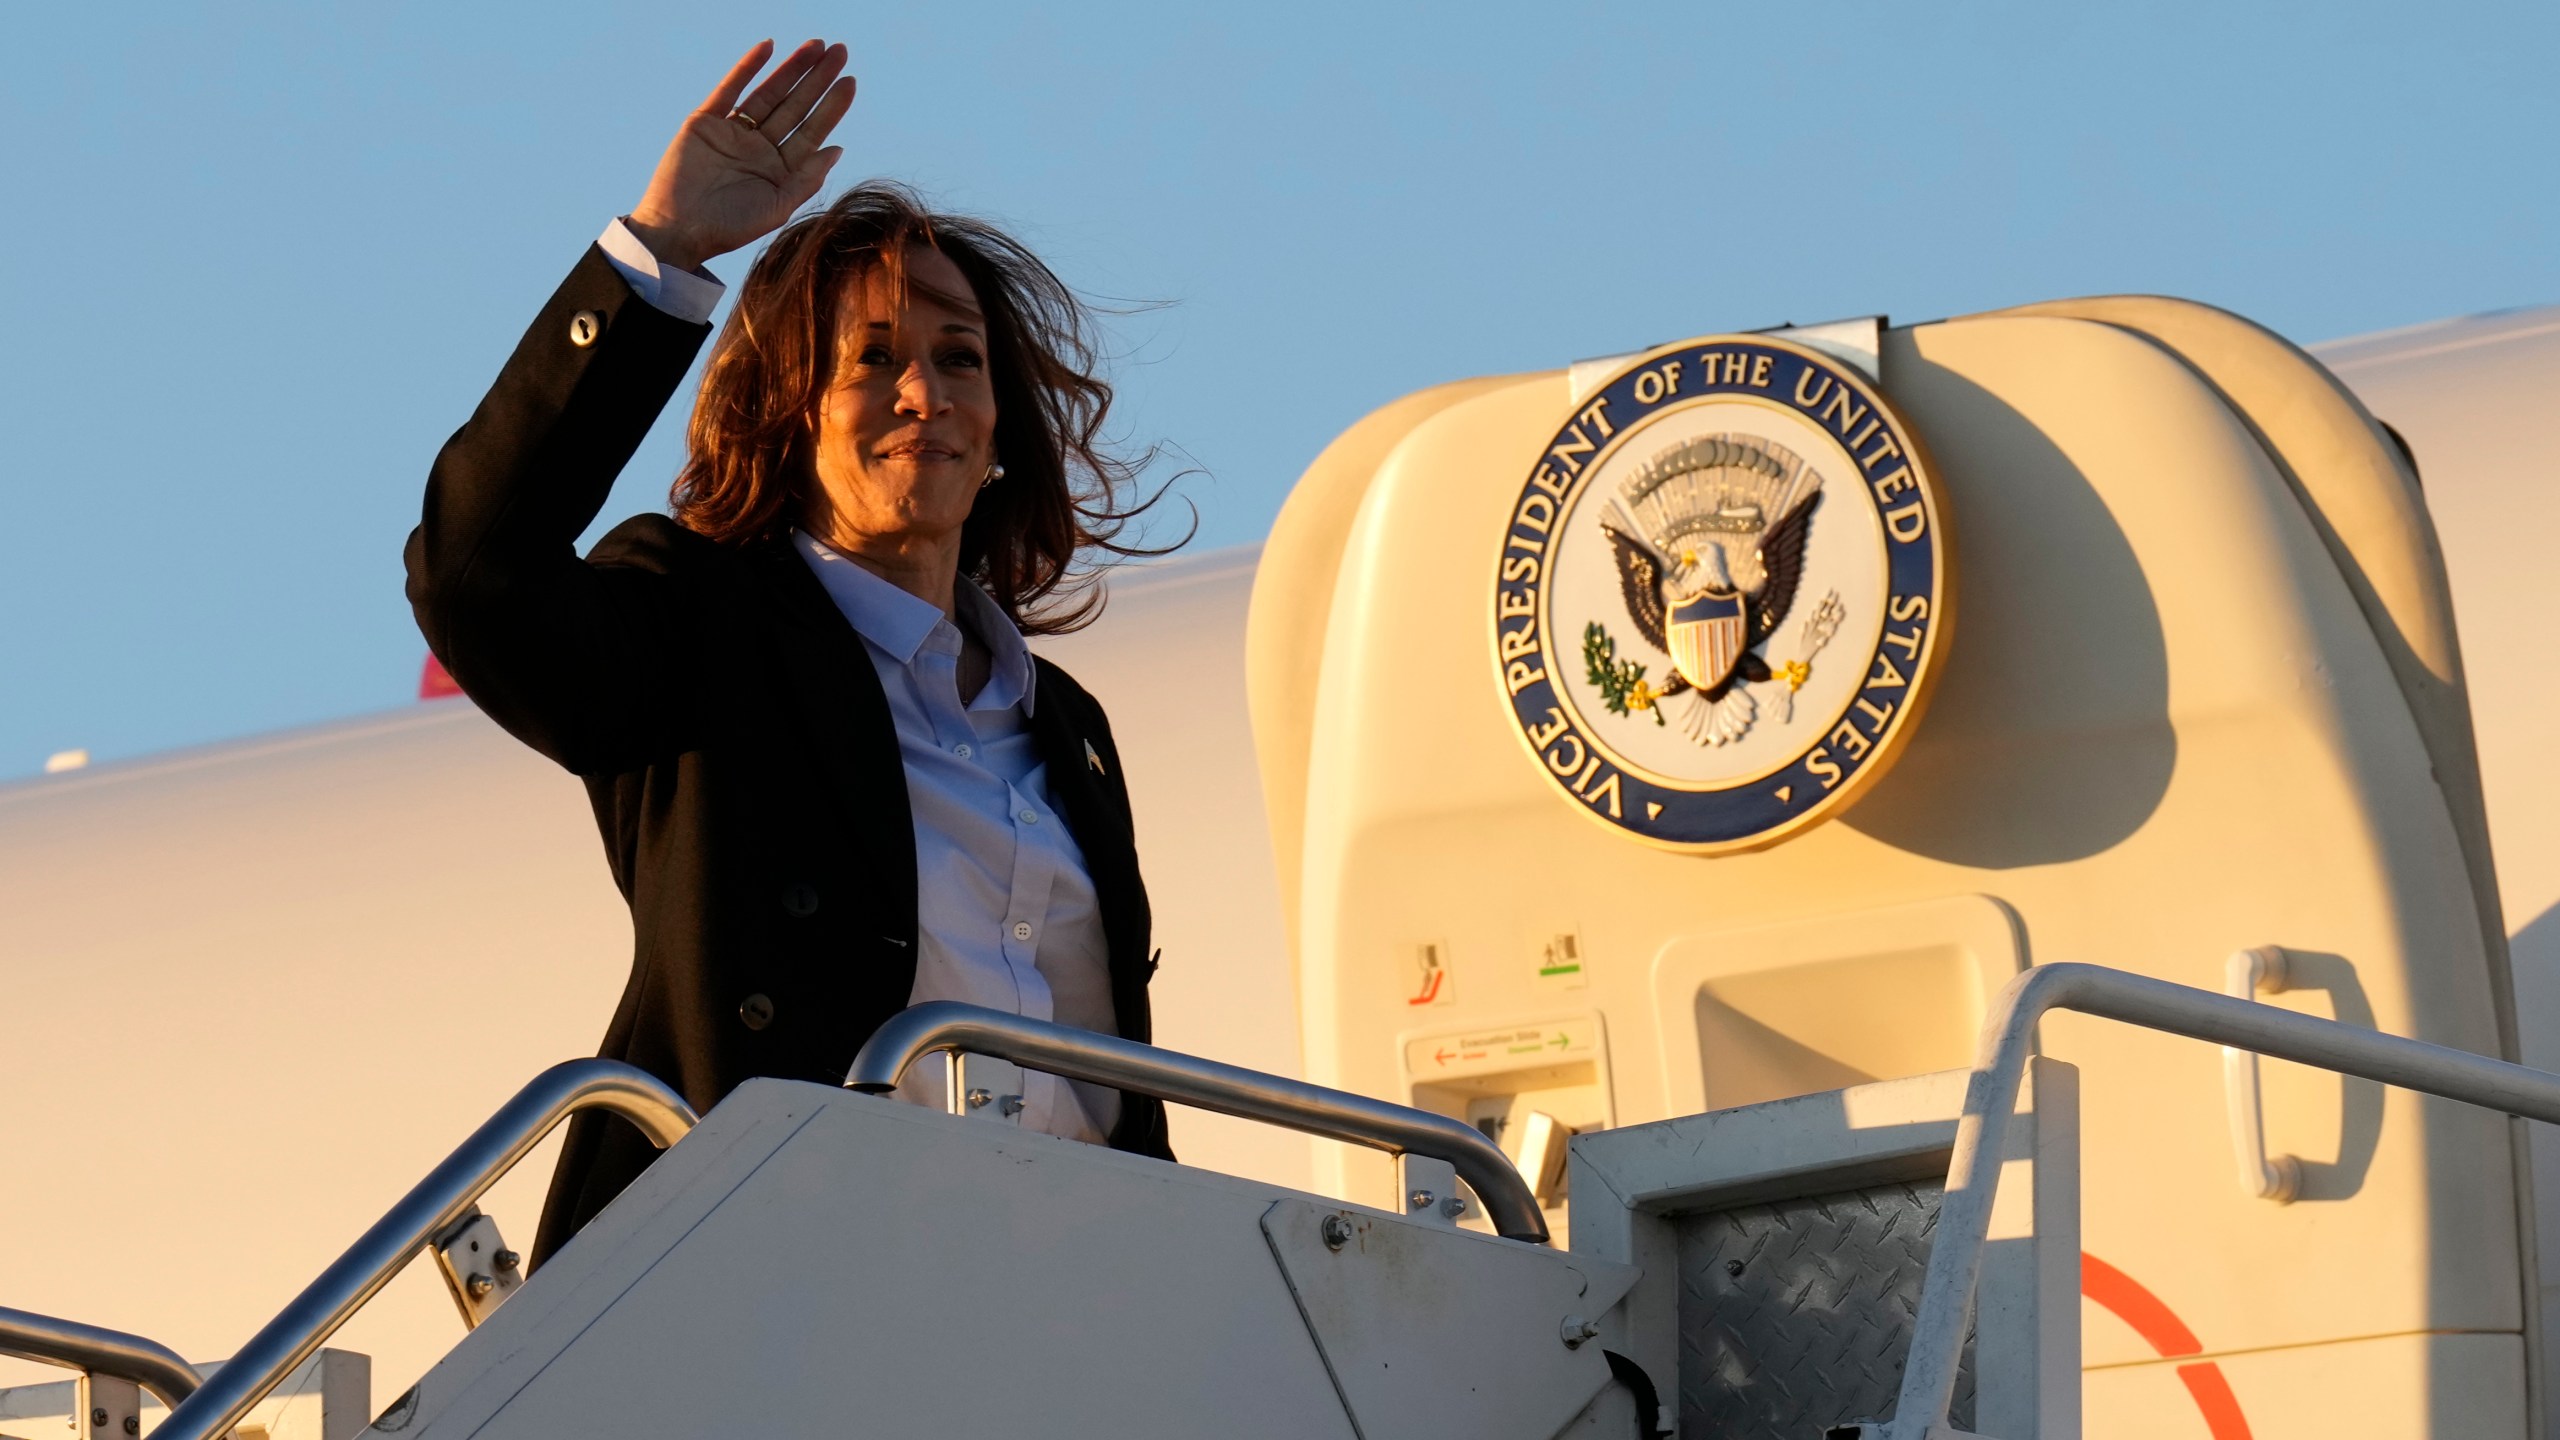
(1722, 594)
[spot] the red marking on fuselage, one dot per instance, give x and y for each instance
(2124, 1297)
(434, 683)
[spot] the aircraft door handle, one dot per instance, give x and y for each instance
(2248, 974)
(1542, 1155)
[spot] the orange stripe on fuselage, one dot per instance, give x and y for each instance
(2160, 1328)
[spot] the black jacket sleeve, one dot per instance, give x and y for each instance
(587, 663)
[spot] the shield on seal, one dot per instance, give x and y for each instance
(1706, 635)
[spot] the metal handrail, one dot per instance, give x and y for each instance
(920, 1030)
(437, 1201)
(1991, 1096)
(98, 1351)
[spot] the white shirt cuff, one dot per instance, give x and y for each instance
(673, 289)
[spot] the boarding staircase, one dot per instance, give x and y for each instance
(1894, 1261)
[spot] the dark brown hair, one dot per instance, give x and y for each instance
(752, 443)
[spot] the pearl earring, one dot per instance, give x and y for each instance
(994, 474)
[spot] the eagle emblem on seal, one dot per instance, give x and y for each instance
(1710, 542)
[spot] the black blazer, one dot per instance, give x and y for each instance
(733, 737)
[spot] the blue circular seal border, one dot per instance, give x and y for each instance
(1835, 766)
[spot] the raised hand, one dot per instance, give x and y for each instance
(738, 167)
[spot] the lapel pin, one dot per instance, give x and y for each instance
(1093, 759)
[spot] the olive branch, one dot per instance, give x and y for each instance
(1621, 683)
(1817, 633)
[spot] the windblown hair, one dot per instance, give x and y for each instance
(752, 445)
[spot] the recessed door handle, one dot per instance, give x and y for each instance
(1542, 1156)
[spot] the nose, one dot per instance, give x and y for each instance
(921, 393)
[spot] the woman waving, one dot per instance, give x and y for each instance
(831, 778)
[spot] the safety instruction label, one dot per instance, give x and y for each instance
(1475, 1052)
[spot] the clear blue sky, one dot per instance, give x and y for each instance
(258, 260)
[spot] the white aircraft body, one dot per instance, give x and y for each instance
(255, 990)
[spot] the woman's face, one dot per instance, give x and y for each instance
(907, 428)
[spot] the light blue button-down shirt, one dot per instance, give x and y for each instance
(1005, 910)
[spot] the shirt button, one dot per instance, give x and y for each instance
(1021, 929)
(963, 750)
(1030, 816)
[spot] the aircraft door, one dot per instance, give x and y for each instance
(2165, 728)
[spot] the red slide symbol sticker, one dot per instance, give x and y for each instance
(2160, 1328)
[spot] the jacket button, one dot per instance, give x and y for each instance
(586, 328)
(756, 1011)
(800, 900)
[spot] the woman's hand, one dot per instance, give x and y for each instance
(725, 182)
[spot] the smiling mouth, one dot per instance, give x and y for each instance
(918, 453)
